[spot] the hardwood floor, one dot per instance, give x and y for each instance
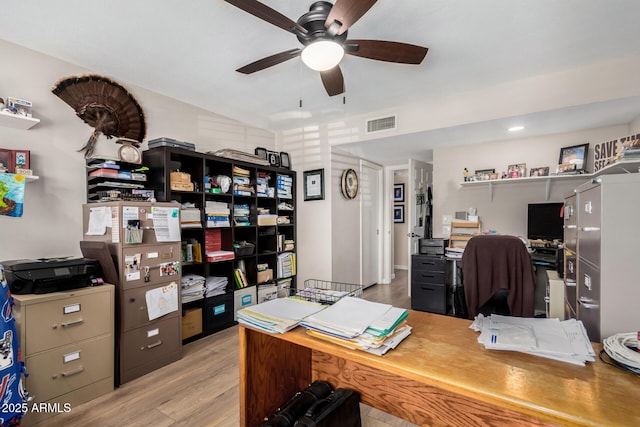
(201, 389)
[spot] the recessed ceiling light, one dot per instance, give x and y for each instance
(515, 128)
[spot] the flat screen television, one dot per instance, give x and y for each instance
(544, 221)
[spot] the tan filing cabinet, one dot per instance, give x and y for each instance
(142, 344)
(66, 341)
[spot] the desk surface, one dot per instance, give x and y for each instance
(442, 352)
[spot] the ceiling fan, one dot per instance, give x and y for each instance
(323, 32)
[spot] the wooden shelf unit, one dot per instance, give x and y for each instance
(267, 237)
(462, 231)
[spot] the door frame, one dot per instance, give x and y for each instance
(380, 225)
(388, 255)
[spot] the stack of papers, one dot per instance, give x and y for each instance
(454, 253)
(360, 324)
(192, 287)
(566, 341)
(277, 315)
(215, 286)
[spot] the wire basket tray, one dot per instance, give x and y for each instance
(326, 292)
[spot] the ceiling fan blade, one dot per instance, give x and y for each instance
(269, 61)
(347, 12)
(333, 81)
(267, 14)
(386, 51)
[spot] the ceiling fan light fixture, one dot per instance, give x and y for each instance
(322, 55)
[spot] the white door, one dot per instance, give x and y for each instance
(371, 224)
(418, 181)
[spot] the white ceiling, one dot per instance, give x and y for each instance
(189, 50)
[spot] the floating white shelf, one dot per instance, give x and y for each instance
(16, 121)
(621, 166)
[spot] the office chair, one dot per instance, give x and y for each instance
(498, 276)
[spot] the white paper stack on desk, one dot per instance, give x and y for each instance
(360, 324)
(566, 341)
(277, 315)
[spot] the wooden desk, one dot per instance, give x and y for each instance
(439, 375)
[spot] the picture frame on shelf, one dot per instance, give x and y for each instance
(484, 174)
(494, 175)
(313, 184)
(576, 155)
(565, 168)
(539, 171)
(398, 193)
(517, 170)
(398, 214)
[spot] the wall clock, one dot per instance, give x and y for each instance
(129, 152)
(349, 184)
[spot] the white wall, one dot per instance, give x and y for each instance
(400, 230)
(51, 225)
(507, 212)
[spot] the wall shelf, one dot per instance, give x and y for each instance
(533, 179)
(16, 121)
(620, 167)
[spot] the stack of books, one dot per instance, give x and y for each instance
(284, 186)
(217, 214)
(262, 184)
(242, 182)
(241, 214)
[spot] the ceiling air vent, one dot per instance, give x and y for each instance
(384, 123)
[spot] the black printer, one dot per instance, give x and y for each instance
(45, 275)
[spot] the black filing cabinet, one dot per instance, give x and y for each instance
(428, 283)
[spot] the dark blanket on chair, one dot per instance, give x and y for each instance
(494, 262)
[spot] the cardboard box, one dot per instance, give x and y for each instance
(180, 181)
(191, 322)
(265, 276)
(267, 219)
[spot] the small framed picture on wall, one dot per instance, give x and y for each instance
(398, 193)
(398, 213)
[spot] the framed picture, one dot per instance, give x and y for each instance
(576, 155)
(517, 170)
(484, 174)
(398, 193)
(539, 171)
(314, 184)
(398, 213)
(493, 175)
(565, 168)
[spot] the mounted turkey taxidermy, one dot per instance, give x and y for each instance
(104, 105)
(323, 32)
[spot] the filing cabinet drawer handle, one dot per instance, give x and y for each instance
(590, 229)
(427, 275)
(428, 263)
(75, 371)
(427, 289)
(572, 226)
(585, 304)
(74, 323)
(155, 344)
(570, 283)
